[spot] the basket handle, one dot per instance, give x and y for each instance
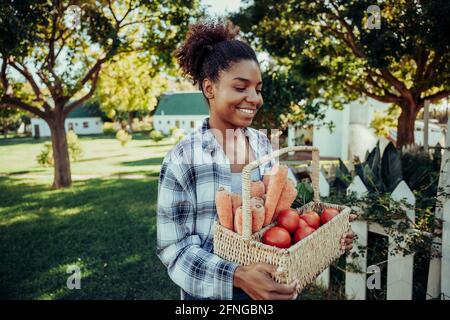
(246, 179)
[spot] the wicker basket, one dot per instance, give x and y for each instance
(302, 262)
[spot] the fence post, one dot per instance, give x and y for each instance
(400, 267)
(445, 270)
(324, 187)
(356, 283)
(436, 273)
(291, 138)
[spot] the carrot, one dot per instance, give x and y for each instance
(257, 189)
(224, 208)
(236, 201)
(238, 221)
(256, 200)
(274, 189)
(287, 197)
(258, 217)
(266, 179)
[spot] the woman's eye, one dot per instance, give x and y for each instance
(259, 91)
(240, 89)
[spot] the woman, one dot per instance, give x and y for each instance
(228, 74)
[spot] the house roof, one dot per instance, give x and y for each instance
(182, 103)
(85, 111)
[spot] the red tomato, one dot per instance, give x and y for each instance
(277, 237)
(302, 223)
(302, 233)
(288, 219)
(312, 219)
(328, 214)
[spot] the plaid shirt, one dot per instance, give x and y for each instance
(190, 175)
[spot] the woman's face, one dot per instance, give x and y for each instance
(236, 96)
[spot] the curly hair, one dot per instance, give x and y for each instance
(210, 47)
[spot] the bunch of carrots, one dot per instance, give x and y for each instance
(267, 198)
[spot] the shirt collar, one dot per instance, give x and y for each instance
(210, 144)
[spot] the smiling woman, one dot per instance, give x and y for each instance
(227, 72)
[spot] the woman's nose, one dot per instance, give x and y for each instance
(253, 97)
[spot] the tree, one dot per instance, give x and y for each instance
(285, 99)
(59, 48)
(337, 48)
(9, 116)
(128, 86)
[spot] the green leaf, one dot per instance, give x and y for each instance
(305, 194)
(391, 168)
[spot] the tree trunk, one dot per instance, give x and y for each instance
(130, 120)
(5, 129)
(62, 176)
(406, 125)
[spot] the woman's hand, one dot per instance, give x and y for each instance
(347, 238)
(255, 280)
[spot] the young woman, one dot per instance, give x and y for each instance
(228, 74)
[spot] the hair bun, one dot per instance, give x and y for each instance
(200, 41)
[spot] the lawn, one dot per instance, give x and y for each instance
(103, 157)
(105, 225)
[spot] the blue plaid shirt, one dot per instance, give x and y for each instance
(190, 175)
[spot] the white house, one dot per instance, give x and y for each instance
(82, 121)
(183, 110)
(352, 135)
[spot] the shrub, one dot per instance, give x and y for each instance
(75, 149)
(45, 157)
(144, 126)
(177, 135)
(108, 128)
(123, 137)
(156, 135)
(172, 130)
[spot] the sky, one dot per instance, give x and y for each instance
(220, 7)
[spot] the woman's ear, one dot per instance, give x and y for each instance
(208, 88)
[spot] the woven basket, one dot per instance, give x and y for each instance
(302, 262)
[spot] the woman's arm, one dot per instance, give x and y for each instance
(195, 270)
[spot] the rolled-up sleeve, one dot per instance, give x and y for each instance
(197, 271)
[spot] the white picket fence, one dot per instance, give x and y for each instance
(399, 267)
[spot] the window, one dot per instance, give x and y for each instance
(70, 126)
(177, 123)
(168, 121)
(192, 124)
(85, 124)
(159, 122)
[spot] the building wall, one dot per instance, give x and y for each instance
(80, 126)
(334, 143)
(163, 123)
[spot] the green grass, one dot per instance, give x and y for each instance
(106, 226)
(102, 157)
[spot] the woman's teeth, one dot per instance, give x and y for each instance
(248, 111)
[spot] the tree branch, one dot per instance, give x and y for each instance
(15, 102)
(350, 39)
(437, 96)
(86, 97)
(23, 70)
(387, 98)
(430, 69)
(421, 60)
(4, 79)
